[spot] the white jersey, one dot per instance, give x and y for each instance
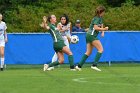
(66, 33)
(3, 27)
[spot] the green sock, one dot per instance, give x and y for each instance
(97, 58)
(54, 64)
(70, 57)
(82, 60)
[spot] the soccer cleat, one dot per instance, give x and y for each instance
(95, 68)
(50, 68)
(45, 67)
(73, 69)
(1, 69)
(79, 69)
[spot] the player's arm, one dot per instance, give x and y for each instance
(44, 23)
(86, 29)
(97, 28)
(102, 34)
(70, 27)
(59, 27)
(5, 36)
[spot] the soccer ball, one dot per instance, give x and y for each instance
(74, 39)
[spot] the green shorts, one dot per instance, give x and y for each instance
(90, 38)
(58, 46)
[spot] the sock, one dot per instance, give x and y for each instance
(70, 57)
(82, 60)
(54, 64)
(54, 59)
(2, 62)
(97, 58)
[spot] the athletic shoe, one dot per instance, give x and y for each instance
(50, 68)
(45, 67)
(73, 69)
(78, 68)
(95, 68)
(1, 69)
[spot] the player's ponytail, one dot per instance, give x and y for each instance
(99, 10)
(48, 19)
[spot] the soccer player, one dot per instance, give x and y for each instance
(65, 27)
(58, 44)
(92, 40)
(3, 40)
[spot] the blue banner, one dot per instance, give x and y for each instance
(38, 48)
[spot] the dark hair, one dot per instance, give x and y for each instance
(67, 19)
(49, 17)
(99, 10)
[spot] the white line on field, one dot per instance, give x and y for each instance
(83, 80)
(124, 84)
(79, 80)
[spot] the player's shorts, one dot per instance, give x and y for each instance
(90, 38)
(2, 43)
(68, 34)
(58, 46)
(66, 42)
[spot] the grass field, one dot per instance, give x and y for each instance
(119, 78)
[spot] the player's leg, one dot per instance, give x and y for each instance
(54, 59)
(60, 61)
(99, 47)
(85, 56)
(2, 57)
(68, 36)
(70, 56)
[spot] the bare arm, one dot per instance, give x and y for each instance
(60, 28)
(70, 28)
(86, 29)
(44, 23)
(5, 36)
(102, 34)
(100, 29)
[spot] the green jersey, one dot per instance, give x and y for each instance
(55, 33)
(95, 21)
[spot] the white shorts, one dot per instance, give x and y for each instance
(2, 43)
(66, 42)
(68, 34)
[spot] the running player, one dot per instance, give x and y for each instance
(92, 40)
(3, 40)
(65, 27)
(58, 44)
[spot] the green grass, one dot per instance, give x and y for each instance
(119, 78)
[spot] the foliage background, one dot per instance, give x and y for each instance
(26, 15)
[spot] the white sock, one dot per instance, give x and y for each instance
(54, 59)
(2, 62)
